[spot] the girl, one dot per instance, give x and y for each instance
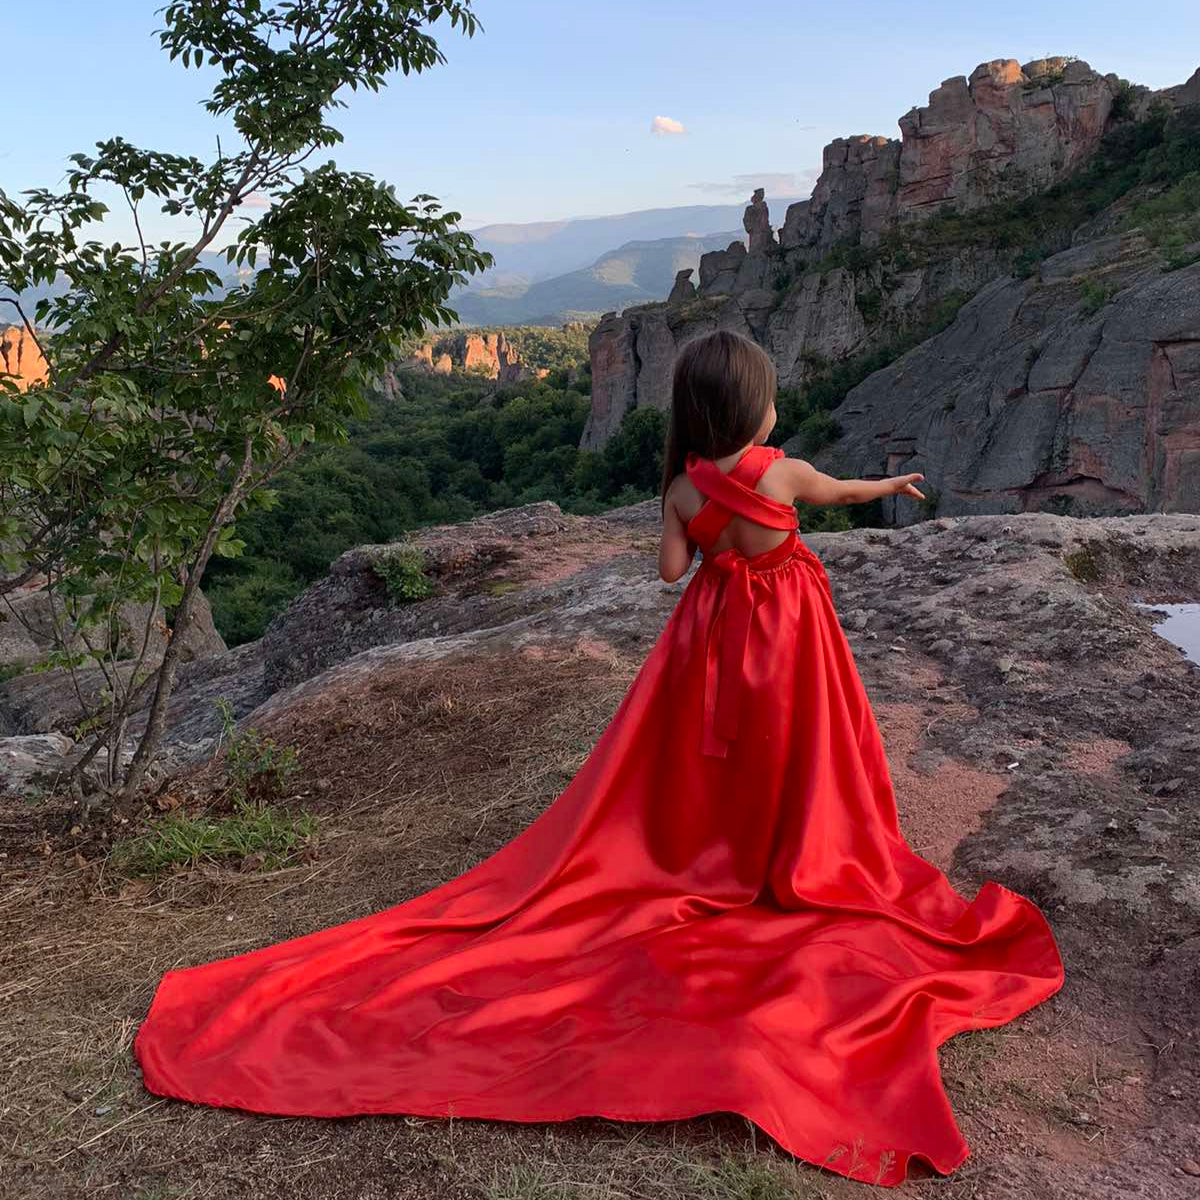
(719, 912)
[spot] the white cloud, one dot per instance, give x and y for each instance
(666, 125)
(779, 185)
(256, 200)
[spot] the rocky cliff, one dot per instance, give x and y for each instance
(1077, 391)
(20, 357)
(878, 256)
(490, 354)
(1039, 733)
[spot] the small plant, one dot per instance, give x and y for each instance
(178, 842)
(256, 767)
(1026, 263)
(870, 304)
(1083, 564)
(1094, 295)
(402, 570)
(929, 504)
(10, 671)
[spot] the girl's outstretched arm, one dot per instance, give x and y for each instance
(675, 552)
(815, 487)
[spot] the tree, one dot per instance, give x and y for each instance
(171, 400)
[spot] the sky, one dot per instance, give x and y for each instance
(562, 108)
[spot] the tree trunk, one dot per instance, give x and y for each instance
(184, 614)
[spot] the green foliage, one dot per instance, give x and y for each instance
(1083, 564)
(1171, 221)
(634, 454)
(178, 842)
(243, 606)
(454, 447)
(870, 304)
(10, 671)
(257, 770)
(1094, 294)
(402, 569)
(170, 403)
(255, 766)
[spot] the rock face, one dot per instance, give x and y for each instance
(37, 702)
(20, 357)
(1031, 400)
(1005, 132)
(489, 354)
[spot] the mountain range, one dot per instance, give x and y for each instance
(637, 272)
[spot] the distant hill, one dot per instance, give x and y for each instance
(634, 273)
(214, 260)
(528, 253)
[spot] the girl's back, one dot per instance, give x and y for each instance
(742, 534)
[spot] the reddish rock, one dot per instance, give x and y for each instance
(1006, 132)
(20, 357)
(489, 354)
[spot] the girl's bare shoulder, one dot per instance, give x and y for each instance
(684, 496)
(783, 479)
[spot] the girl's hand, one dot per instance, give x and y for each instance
(902, 485)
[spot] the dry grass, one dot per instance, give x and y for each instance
(430, 769)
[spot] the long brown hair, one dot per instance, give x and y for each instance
(722, 387)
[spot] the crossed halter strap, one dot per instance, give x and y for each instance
(728, 495)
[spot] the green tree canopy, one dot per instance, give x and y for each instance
(169, 400)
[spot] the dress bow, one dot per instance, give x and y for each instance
(727, 639)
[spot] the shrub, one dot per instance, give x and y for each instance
(402, 570)
(1094, 295)
(1083, 564)
(870, 304)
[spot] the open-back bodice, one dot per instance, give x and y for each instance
(743, 577)
(730, 494)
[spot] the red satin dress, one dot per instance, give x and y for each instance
(719, 913)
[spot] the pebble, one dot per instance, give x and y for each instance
(1190, 1166)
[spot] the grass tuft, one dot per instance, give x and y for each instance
(179, 842)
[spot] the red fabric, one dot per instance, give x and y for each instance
(678, 933)
(728, 495)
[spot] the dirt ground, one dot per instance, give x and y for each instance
(428, 771)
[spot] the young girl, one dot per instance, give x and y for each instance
(719, 912)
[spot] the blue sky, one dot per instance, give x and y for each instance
(547, 112)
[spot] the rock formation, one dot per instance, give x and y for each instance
(20, 357)
(489, 354)
(684, 288)
(757, 223)
(817, 296)
(1030, 400)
